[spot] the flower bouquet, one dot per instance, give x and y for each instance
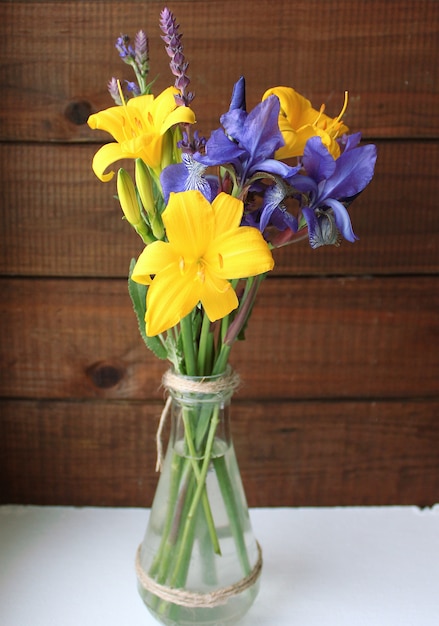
(210, 213)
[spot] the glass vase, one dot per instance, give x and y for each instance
(199, 562)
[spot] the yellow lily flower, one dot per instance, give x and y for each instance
(139, 128)
(298, 121)
(206, 247)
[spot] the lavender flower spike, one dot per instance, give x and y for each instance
(141, 53)
(178, 64)
(113, 88)
(125, 49)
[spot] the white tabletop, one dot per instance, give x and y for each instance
(376, 566)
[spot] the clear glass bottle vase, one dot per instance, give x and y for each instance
(199, 562)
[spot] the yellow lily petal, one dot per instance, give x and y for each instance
(298, 121)
(139, 128)
(239, 254)
(105, 156)
(228, 212)
(199, 258)
(171, 296)
(155, 257)
(218, 298)
(181, 115)
(142, 103)
(166, 112)
(163, 106)
(189, 222)
(293, 105)
(295, 140)
(112, 120)
(147, 147)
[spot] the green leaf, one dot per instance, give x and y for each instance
(138, 298)
(175, 356)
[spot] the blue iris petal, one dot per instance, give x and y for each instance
(248, 141)
(330, 181)
(186, 176)
(238, 95)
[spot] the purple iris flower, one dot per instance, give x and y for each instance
(248, 141)
(330, 184)
(273, 211)
(188, 175)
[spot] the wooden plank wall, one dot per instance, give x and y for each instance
(340, 399)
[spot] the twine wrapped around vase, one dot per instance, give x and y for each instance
(191, 599)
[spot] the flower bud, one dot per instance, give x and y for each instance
(146, 193)
(130, 206)
(144, 186)
(167, 149)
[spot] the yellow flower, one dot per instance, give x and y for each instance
(298, 121)
(206, 247)
(139, 128)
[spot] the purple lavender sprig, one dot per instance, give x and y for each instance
(141, 53)
(125, 49)
(137, 57)
(190, 145)
(113, 88)
(178, 64)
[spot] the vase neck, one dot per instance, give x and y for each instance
(200, 410)
(199, 389)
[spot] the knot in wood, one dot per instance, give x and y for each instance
(78, 112)
(105, 375)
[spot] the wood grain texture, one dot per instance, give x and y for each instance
(290, 454)
(384, 53)
(320, 338)
(60, 220)
(339, 401)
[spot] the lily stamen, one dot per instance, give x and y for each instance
(135, 125)
(337, 122)
(321, 112)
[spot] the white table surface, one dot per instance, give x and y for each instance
(376, 566)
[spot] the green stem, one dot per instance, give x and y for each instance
(188, 345)
(227, 492)
(184, 554)
(195, 468)
(205, 347)
(173, 539)
(222, 359)
(177, 477)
